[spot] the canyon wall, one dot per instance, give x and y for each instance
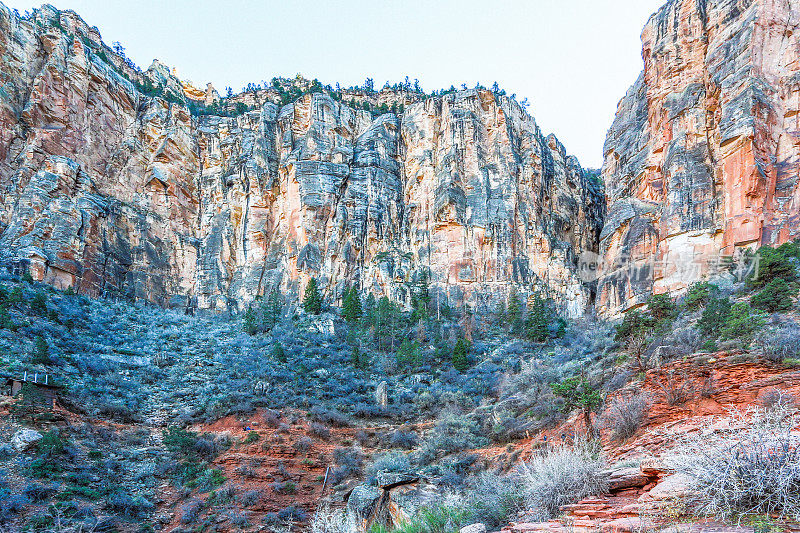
(114, 192)
(703, 157)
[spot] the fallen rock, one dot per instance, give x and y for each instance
(25, 439)
(626, 478)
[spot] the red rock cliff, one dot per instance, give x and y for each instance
(702, 159)
(112, 191)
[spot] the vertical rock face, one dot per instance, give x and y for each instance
(111, 191)
(702, 159)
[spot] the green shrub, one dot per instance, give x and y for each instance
(263, 315)
(699, 294)
(252, 437)
(278, 353)
(409, 354)
(634, 324)
(777, 295)
(351, 305)
(715, 315)
(5, 318)
(52, 444)
(662, 307)
(742, 322)
(578, 392)
(776, 263)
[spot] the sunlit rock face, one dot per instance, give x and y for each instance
(114, 192)
(702, 159)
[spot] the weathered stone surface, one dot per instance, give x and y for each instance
(703, 156)
(25, 438)
(673, 487)
(473, 528)
(382, 394)
(114, 192)
(362, 501)
(388, 480)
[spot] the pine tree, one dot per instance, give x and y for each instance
(272, 310)
(359, 359)
(351, 305)
(279, 353)
(250, 326)
(514, 312)
(41, 353)
(460, 358)
(537, 323)
(420, 298)
(312, 302)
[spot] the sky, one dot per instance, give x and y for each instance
(572, 59)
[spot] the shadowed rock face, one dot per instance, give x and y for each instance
(702, 159)
(114, 192)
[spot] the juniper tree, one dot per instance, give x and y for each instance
(578, 392)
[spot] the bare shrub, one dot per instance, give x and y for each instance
(677, 388)
(327, 520)
(319, 431)
(780, 343)
(304, 444)
(752, 467)
(493, 500)
(777, 399)
(625, 415)
(560, 476)
(250, 498)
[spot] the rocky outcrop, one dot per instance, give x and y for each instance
(702, 160)
(112, 191)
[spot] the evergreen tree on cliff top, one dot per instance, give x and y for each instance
(312, 302)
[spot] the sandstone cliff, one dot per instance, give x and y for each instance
(112, 191)
(703, 157)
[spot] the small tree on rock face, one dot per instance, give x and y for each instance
(460, 357)
(577, 392)
(312, 302)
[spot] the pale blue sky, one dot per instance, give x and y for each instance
(572, 59)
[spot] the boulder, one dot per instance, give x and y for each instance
(473, 528)
(362, 501)
(382, 394)
(388, 480)
(673, 487)
(25, 439)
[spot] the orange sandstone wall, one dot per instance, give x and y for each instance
(115, 192)
(702, 158)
